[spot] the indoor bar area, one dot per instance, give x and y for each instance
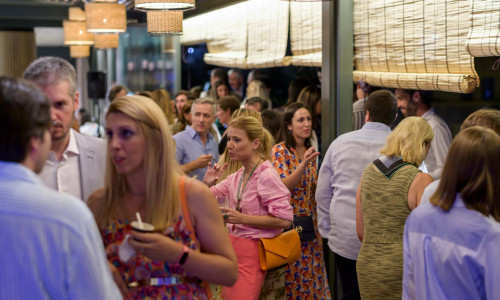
(250, 149)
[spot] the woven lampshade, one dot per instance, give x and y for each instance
(76, 14)
(484, 35)
(164, 4)
(79, 51)
(164, 22)
(75, 33)
(414, 44)
(103, 41)
(106, 17)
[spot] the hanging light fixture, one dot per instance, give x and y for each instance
(75, 33)
(164, 4)
(164, 22)
(76, 14)
(104, 41)
(106, 17)
(79, 51)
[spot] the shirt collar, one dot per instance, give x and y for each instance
(17, 171)
(192, 133)
(72, 146)
(428, 114)
(376, 126)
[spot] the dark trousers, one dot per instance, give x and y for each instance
(346, 269)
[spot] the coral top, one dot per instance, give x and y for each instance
(264, 195)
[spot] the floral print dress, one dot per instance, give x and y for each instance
(306, 278)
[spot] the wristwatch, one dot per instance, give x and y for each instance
(184, 255)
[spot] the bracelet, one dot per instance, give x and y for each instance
(183, 256)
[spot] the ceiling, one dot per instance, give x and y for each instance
(24, 15)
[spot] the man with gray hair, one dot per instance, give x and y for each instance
(76, 162)
(196, 146)
(236, 82)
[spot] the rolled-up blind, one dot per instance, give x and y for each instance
(267, 33)
(195, 30)
(227, 36)
(484, 34)
(414, 44)
(305, 33)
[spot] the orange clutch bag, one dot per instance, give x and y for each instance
(280, 250)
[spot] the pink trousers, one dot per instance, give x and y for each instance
(250, 275)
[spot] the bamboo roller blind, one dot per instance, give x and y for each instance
(414, 44)
(267, 33)
(484, 34)
(227, 42)
(305, 33)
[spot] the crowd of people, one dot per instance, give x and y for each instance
(172, 203)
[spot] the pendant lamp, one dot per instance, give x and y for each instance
(104, 41)
(164, 4)
(106, 17)
(79, 51)
(75, 33)
(168, 22)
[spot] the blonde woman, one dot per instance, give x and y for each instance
(390, 188)
(234, 166)
(257, 88)
(191, 245)
(258, 202)
(163, 99)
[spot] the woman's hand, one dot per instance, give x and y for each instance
(155, 246)
(309, 155)
(214, 173)
(117, 277)
(232, 216)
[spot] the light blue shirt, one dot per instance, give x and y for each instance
(451, 255)
(50, 244)
(338, 182)
(189, 147)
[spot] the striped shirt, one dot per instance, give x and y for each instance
(51, 247)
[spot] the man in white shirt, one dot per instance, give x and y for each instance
(51, 247)
(76, 162)
(416, 103)
(338, 181)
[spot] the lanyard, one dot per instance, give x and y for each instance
(238, 195)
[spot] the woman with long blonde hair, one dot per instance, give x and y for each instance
(258, 202)
(390, 188)
(190, 245)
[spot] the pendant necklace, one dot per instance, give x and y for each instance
(240, 195)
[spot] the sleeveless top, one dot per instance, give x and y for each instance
(139, 268)
(384, 201)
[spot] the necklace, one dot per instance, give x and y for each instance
(240, 195)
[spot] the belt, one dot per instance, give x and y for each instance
(174, 280)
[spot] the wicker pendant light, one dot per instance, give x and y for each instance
(106, 17)
(79, 51)
(104, 41)
(164, 4)
(75, 33)
(164, 22)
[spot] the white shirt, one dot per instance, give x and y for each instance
(338, 181)
(440, 144)
(64, 175)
